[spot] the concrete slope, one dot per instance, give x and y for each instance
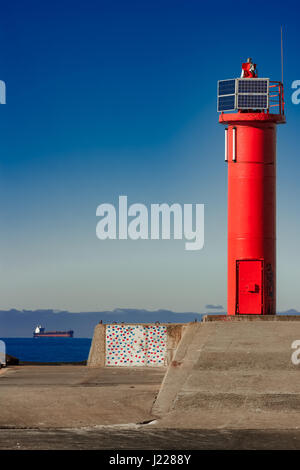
(227, 369)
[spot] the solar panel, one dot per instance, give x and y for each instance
(226, 95)
(226, 87)
(226, 103)
(243, 93)
(254, 85)
(252, 102)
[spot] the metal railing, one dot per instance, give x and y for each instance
(276, 99)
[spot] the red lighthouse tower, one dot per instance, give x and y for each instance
(246, 105)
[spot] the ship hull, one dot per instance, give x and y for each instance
(54, 334)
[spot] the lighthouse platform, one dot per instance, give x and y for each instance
(233, 372)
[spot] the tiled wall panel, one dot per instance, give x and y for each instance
(135, 345)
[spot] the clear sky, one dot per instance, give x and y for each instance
(111, 97)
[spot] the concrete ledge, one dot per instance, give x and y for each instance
(237, 318)
(226, 401)
(233, 363)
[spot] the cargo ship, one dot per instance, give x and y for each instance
(40, 332)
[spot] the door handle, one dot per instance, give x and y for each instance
(253, 288)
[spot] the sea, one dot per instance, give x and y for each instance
(48, 349)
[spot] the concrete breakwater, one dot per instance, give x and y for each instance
(233, 371)
(133, 345)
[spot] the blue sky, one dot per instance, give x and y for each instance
(119, 97)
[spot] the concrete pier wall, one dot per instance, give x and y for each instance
(134, 345)
(233, 369)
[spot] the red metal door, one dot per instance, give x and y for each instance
(249, 287)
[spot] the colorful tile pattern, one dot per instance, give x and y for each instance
(136, 345)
